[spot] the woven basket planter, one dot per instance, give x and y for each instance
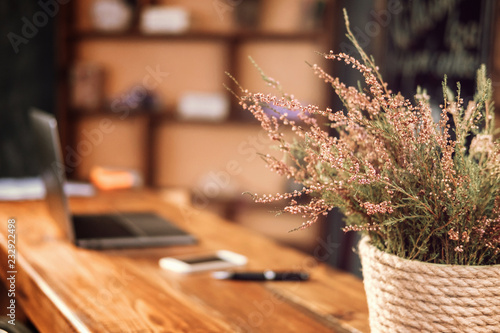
(412, 296)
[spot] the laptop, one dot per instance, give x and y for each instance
(95, 231)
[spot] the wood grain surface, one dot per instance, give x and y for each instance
(63, 288)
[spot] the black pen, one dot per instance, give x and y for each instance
(262, 276)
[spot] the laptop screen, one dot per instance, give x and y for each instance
(52, 169)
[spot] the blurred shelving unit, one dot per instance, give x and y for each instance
(171, 152)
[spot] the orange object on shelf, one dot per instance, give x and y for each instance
(113, 179)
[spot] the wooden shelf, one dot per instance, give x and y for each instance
(229, 44)
(158, 116)
(201, 35)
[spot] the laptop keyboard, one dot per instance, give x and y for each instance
(99, 226)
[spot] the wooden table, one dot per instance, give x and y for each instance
(63, 288)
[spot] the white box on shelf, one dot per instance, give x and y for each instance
(164, 19)
(203, 106)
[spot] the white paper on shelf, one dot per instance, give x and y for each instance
(21, 188)
(32, 188)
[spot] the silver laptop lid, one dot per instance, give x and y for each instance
(52, 169)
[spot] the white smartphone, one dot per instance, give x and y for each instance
(195, 263)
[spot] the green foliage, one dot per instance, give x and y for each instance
(417, 190)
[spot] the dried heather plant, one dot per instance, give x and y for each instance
(417, 190)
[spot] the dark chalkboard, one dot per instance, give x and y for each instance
(431, 38)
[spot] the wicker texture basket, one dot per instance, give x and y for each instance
(412, 296)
